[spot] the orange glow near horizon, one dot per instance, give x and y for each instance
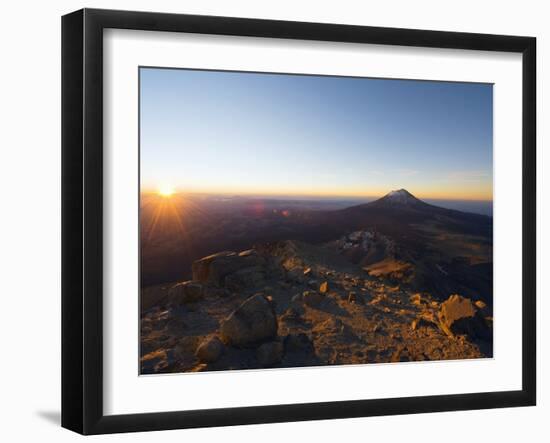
(169, 213)
(443, 193)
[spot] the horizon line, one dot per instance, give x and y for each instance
(151, 190)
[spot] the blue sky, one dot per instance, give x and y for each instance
(252, 133)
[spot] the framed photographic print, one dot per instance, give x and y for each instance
(269, 221)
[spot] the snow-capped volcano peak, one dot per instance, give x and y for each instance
(399, 198)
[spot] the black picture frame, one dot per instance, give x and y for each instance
(82, 218)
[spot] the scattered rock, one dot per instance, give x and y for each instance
(312, 299)
(210, 350)
(458, 315)
(269, 354)
(293, 315)
(248, 253)
(214, 268)
(427, 319)
(400, 355)
(186, 292)
(298, 343)
(187, 345)
(416, 299)
(353, 297)
(201, 367)
(252, 322)
(157, 361)
(480, 304)
(176, 326)
(201, 268)
(334, 326)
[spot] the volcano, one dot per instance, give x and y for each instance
(398, 210)
(400, 198)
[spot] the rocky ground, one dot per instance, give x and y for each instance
(289, 304)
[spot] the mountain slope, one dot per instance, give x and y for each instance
(326, 311)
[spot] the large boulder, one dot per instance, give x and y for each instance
(244, 278)
(458, 315)
(186, 292)
(215, 268)
(210, 350)
(253, 322)
(299, 342)
(270, 353)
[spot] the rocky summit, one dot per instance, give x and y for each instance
(291, 303)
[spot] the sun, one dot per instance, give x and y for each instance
(165, 191)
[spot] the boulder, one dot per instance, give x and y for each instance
(210, 350)
(214, 268)
(244, 278)
(293, 315)
(269, 354)
(157, 361)
(254, 321)
(187, 345)
(484, 309)
(299, 342)
(248, 253)
(186, 292)
(480, 304)
(323, 288)
(201, 268)
(459, 315)
(416, 299)
(426, 319)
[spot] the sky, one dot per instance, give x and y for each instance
(304, 135)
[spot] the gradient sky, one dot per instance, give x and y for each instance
(247, 133)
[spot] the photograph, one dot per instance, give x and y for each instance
(298, 220)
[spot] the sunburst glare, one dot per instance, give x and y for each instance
(166, 190)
